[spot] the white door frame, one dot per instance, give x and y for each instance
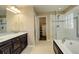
(37, 39)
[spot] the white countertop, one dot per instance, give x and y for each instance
(8, 36)
(63, 48)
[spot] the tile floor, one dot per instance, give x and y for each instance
(43, 47)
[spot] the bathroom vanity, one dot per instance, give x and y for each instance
(13, 43)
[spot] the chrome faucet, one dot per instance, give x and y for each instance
(64, 39)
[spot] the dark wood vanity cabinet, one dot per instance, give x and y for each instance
(14, 46)
(57, 50)
(19, 43)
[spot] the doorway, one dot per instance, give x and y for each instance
(42, 23)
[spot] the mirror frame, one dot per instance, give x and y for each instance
(77, 27)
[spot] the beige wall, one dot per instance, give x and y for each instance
(22, 22)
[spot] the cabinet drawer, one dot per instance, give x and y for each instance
(5, 42)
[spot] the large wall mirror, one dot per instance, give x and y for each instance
(2, 18)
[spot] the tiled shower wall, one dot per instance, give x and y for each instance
(67, 27)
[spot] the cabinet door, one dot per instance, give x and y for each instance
(16, 43)
(6, 49)
(23, 40)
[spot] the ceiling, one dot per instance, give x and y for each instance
(49, 8)
(40, 8)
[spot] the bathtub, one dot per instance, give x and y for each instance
(69, 46)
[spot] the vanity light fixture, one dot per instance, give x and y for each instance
(14, 10)
(11, 10)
